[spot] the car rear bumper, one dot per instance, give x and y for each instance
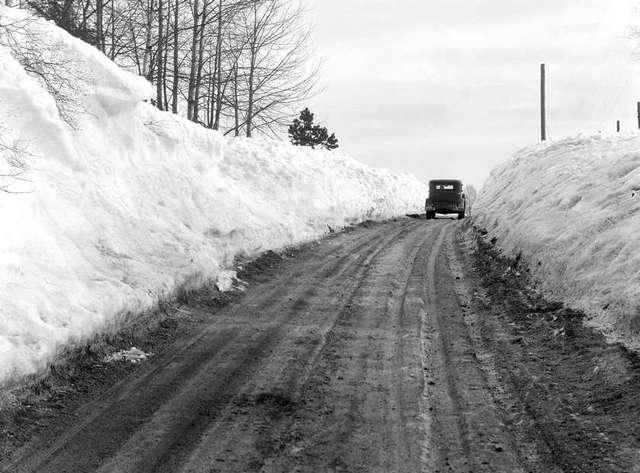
(443, 207)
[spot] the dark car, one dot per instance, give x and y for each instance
(446, 196)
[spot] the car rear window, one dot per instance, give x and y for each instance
(445, 187)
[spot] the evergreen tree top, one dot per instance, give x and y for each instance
(303, 132)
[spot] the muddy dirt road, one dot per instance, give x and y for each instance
(359, 356)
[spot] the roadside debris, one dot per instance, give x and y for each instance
(133, 355)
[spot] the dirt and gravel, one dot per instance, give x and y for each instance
(405, 346)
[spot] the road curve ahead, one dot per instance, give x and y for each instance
(355, 358)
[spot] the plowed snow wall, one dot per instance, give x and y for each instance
(124, 203)
(572, 209)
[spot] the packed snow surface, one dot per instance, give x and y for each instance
(124, 203)
(572, 209)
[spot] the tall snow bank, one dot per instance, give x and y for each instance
(572, 208)
(124, 202)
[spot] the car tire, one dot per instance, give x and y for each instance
(460, 215)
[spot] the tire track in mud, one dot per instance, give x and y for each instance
(467, 428)
(358, 384)
(285, 386)
(165, 380)
(271, 386)
(355, 358)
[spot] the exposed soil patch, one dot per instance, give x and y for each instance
(260, 267)
(39, 405)
(317, 368)
(404, 346)
(576, 393)
(81, 373)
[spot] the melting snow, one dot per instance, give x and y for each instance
(133, 355)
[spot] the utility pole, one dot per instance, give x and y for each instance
(638, 114)
(618, 126)
(543, 105)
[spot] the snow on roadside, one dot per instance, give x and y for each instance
(125, 203)
(133, 355)
(572, 209)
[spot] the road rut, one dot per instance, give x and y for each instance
(356, 358)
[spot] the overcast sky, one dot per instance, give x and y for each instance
(449, 88)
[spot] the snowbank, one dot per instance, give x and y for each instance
(124, 203)
(572, 208)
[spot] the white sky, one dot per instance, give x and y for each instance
(449, 88)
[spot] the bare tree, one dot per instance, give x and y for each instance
(43, 60)
(147, 68)
(160, 63)
(176, 66)
(13, 165)
(236, 43)
(100, 25)
(236, 65)
(195, 32)
(217, 89)
(275, 65)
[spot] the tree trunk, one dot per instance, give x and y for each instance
(112, 53)
(146, 60)
(210, 102)
(159, 61)
(218, 70)
(100, 25)
(136, 57)
(176, 72)
(196, 105)
(165, 64)
(236, 107)
(194, 63)
(252, 69)
(249, 120)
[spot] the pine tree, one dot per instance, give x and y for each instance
(304, 133)
(332, 142)
(301, 131)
